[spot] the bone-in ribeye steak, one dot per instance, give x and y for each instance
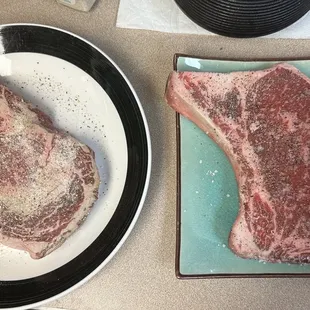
(48, 180)
(261, 119)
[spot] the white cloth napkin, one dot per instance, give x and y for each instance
(165, 16)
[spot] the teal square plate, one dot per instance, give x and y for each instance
(207, 193)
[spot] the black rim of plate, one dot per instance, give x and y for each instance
(244, 18)
(64, 45)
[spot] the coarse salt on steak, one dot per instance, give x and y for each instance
(261, 119)
(48, 180)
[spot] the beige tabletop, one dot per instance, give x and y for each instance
(141, 275)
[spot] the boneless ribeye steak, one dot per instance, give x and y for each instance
(261, 119)
(48, 180)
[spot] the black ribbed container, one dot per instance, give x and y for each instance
(244, 18)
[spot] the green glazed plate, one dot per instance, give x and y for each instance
(208, 194)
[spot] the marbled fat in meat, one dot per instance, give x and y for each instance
(261, 119)
(48, 179)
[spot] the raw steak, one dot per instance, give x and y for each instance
(48, 179)
(261, 119)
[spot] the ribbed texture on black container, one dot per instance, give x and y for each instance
(244, 18)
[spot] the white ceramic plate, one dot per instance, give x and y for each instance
(85, 93)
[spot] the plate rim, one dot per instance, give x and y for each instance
(196, 276)
(147, 176)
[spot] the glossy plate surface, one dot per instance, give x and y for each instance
(208, 194)
(86, 94)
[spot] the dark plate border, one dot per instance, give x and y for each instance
(178, 273)
(70, 47)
